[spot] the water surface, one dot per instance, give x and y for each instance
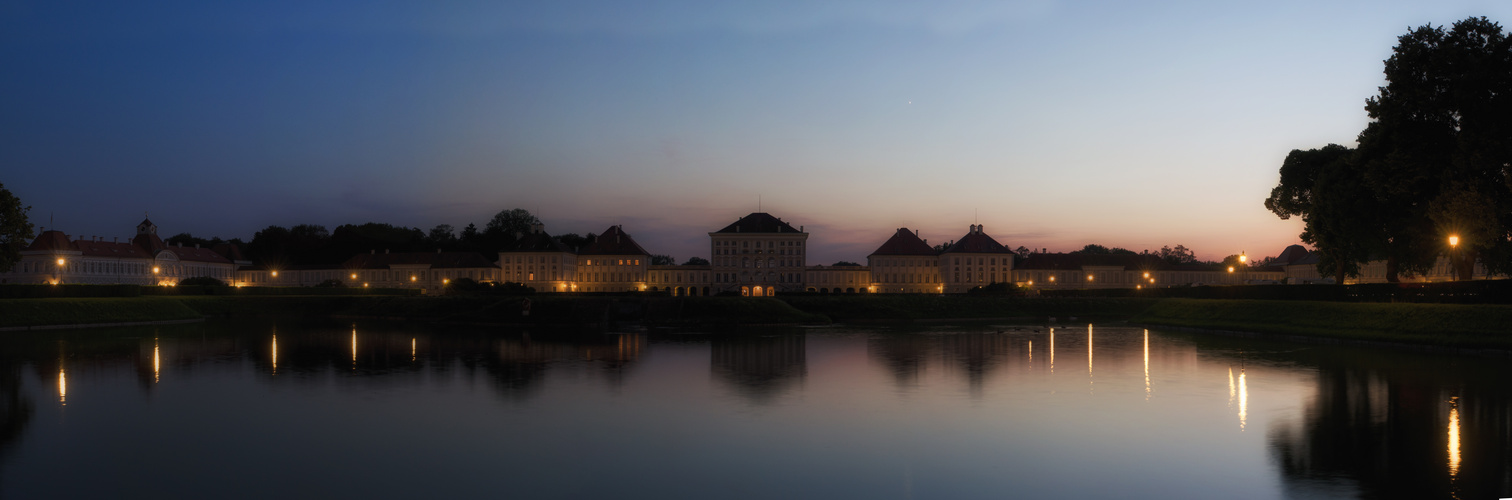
(399, 410)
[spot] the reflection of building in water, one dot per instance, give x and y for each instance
(975, 354)
(903, 356)
(761, 368)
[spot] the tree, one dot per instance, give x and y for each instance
(1341, 218)
(1178, 255)
(15, 229)
(696, 261)
(1121, 251)
(1437, 152)
(443, 237)
(270, 246)
(663, 260)
(1092, 249)
(506, 227)
(846, 263)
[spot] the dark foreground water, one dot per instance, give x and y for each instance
(385, 410)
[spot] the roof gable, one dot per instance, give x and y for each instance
(976, 241)
(905, 242)
(759, 222)
(613, 241)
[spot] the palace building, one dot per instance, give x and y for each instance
(54, 257)
(757, 255)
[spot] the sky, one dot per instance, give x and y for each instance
(1053, 124)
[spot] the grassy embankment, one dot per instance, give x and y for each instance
(1445, 325)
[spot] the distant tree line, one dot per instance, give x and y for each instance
(314, 244)
(1435, 162)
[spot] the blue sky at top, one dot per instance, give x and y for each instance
(1055, 124)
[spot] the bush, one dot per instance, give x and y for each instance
(201, 281)
(331, 283)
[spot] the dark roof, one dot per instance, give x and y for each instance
(436, 260)
(905, 242)
(150, 242)
(51, 240)
(1054, 261)
(111, 249)
(538, 241)
(1292, 255)
(196, 254)
(759, 222)
(613, 241)
(976, 241)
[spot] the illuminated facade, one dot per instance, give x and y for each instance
(614, 262)
(758, 255)
(905, 263)
(145, 260)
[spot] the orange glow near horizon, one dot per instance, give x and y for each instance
(62, 387)
(1052, 350)
(275, 354)
(157, 362)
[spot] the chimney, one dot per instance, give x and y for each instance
(916, 233)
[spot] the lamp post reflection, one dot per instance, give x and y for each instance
(156, 361)
(1454, 437)
(1147, 363)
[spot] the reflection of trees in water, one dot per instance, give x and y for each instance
(1383, 421)
(975, 354)
(759, 367)
(15, 408)
(903, 355)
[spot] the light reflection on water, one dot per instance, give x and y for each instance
(954, 412)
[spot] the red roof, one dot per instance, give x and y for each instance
(614, 241)
(905, 242)
(149, 242)
(111, 249)
(759, 222)
(50, 240)
(976, 241)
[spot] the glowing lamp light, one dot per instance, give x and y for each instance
(1243, 258)
(156, 270)
(412, 279)
(354, 275)
(445, 281)
(1089, 277)
(275, 274)
(1052, 278)
(1147, 275)
(1453, 242)
(364, 285)
(60, 262)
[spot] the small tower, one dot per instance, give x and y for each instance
(146, 228)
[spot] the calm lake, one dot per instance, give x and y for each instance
(371, 409)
